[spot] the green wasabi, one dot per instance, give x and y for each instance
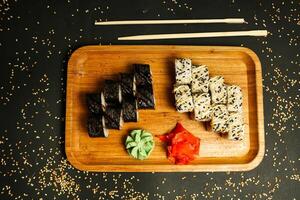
(139, 144)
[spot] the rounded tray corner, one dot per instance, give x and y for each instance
(253, 56)
(256, 160)
(79, 52)
(73, 160)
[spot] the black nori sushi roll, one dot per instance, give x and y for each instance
(142, 74)
(129, 107)
(94, 103)
(113, 117)
(127, 84)
(96, 126)
(145, 98)
(112, 92)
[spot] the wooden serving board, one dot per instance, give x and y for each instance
(89, 66)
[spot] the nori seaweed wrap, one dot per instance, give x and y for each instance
(94, 103)
(129, 107)
(113, 117)
(96, 126)
(142, 74)
(112, 92)
(145, 98)
(127, 84)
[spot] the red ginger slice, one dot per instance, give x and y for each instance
(182, 145)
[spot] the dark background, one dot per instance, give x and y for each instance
(36, 39)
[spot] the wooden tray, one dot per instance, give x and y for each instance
(90, 65)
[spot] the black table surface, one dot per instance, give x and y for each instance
(36, 40)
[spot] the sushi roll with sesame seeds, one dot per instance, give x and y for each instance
(183, 98)
(96, 126)
(113, 117)
(218, 90)
(202, 106)
(219, 118)
(183, 71)
(235, 126)
(200, 79)
(234, 98)
(112, 92)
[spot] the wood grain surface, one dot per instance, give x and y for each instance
(89, 66)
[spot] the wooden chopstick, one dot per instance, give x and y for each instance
(181, 21)
(196, 35)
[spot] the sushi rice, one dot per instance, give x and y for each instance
(183, 98)
(183, 70)
(218, 90)
(200, 79)
(235, 126)
(235, 98)
(202, 106)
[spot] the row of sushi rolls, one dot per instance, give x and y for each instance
(208, 99)
(119, 102)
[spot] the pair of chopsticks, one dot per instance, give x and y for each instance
(186, 35)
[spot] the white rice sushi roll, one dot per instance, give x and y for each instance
(202, 106)
(235, 126)
(219, 118)
(183, 70)
(200, 79)
(235, 98)
(183, 98)
(218, 90)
